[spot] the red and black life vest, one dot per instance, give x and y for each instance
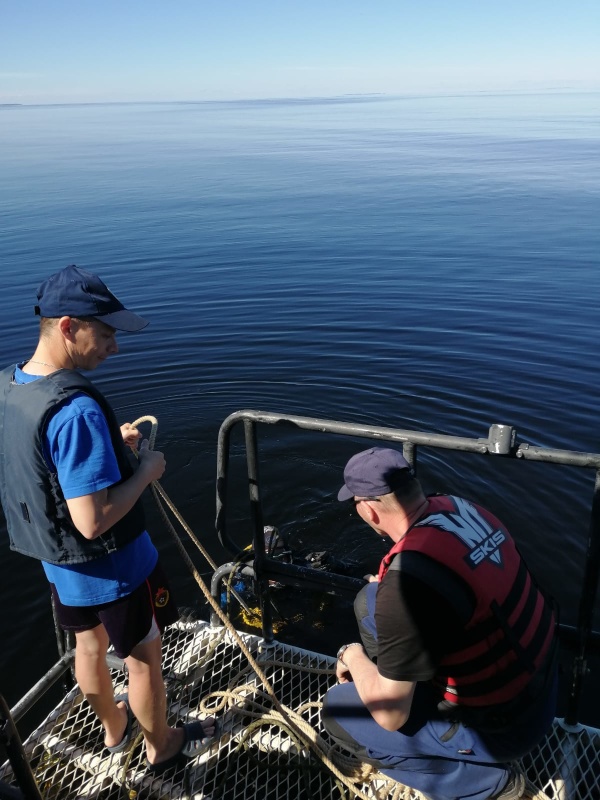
(511, 630)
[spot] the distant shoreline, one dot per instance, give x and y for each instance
(340, 98)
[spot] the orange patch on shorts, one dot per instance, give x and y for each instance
(161, 598)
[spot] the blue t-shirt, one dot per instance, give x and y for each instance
(77, 445)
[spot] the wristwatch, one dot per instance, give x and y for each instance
(343, 649)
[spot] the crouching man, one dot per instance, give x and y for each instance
(455, 674)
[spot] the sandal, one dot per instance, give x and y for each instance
(195, 742)
(118, 748)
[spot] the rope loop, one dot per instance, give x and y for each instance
(153, 430)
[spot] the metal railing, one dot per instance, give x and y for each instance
(500, 442)
(11, 747)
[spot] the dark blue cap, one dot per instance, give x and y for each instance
(374, 472)
(72, 292)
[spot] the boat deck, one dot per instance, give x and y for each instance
(258, 750)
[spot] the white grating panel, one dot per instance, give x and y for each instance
(255, 755)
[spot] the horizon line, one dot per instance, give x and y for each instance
(312, 98)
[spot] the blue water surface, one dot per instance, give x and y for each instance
(418, 262)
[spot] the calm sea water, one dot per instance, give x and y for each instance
(427, 263)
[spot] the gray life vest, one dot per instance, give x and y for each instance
(37, 516)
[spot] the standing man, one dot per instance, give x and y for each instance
(72, 499)
(455, 676)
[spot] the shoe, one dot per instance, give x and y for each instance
(195, 741)
(118, 748)
(514, 788)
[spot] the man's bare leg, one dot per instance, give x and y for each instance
(147, 696)
(148, 701)
(93, 677)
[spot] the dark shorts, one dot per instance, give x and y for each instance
(127, 620)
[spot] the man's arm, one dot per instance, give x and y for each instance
(388, 701)
(93, 514)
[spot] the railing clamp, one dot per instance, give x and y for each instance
(501, 439)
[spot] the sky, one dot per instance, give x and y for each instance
(81, 51)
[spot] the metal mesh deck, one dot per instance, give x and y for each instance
(250, 757)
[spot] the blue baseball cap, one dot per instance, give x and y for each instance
(374, 472)
(72, 292)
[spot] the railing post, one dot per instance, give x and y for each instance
(586, 607)
(258, 527)
(65, 642)
(221, 487)
(409, 451)
(11, 742)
